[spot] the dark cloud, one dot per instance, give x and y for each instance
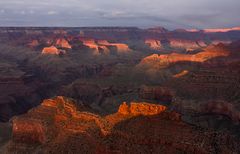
(142, 13)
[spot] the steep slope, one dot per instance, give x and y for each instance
(161, 61)
(60, 126)
(120, 47)
(97, 49)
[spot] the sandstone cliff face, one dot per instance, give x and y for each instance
(57, 47)
(63, 43)
(41, 124)
(142, 108)
(103, 46)
(153, 44)
(98, 49)
(121, 48)
(51, 50)
(158, 61)
(57, 126)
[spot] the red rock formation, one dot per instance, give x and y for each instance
(40, 125)
(53, 51)
(124, 109)
(181, 74)
(30, 130)
(58, 127)
(153, 44)
(103, 49)
(102, 46)
(98, 49)
(142, 108)
(63, 43)
(157, 61)
(121, 48)
(89, 42)
(20, 35)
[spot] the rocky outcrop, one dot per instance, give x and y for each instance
(153, 44)
(181, 74)
(104, 47)
(98, 49)
(52, 51)
(58, 48)
(120, 47)
(41, 124)
(156, 93)
(158, 61)
(141, 108)
(57, 126)
(63, 43)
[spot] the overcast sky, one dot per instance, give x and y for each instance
(142, 13)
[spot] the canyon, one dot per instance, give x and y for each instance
(119, 90)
